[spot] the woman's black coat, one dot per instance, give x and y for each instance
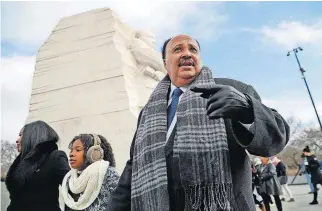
(42, 173)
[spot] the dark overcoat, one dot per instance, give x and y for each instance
(39, 189)
(313, 168)
(266, 137)
(269, 183)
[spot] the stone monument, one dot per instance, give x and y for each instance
(93, 75)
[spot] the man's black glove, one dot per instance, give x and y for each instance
(227, 102)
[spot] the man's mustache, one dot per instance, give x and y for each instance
(186, 62)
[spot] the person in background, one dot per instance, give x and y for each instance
(257, 162)
(88, 185)
(35, 175)
(306, 174)
(256, 185)
(269, 183)
(282, 176)
(312, 166)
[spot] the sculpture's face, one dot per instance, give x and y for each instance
(182, 61)
(76, 155)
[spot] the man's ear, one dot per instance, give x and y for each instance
(164, 63)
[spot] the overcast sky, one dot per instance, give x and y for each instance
(246, 41)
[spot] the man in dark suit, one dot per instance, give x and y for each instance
(188, 152)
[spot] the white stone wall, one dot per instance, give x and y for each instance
(93, 75)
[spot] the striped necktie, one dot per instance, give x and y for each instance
(173, 106)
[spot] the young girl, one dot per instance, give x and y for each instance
(93, 176)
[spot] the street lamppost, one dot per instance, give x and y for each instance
(295, 51)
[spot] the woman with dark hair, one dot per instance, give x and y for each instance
(34, 177)
(312, 166)
(93, 177)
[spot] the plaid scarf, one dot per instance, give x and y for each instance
(200, 144)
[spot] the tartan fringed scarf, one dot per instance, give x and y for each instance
(200, 144)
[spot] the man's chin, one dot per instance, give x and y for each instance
(185, 81)
(189, 75)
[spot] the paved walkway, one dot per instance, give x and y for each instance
(302, 199)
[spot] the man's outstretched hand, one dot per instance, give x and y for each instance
(226, 102)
